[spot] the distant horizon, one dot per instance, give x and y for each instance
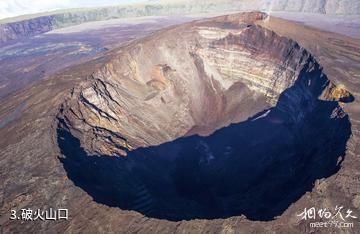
(18, 8)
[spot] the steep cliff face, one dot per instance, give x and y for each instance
(191, 79)
(314, 6)
(38, 25)
(26, 28)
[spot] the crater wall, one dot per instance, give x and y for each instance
(192, 79)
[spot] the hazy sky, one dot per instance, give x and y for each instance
(10, 8)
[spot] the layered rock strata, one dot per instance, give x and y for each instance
(192, 79)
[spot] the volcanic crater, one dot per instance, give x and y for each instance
(210, 119)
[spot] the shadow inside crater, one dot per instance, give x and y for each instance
(256, 168)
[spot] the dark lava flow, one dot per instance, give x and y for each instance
(256, 168)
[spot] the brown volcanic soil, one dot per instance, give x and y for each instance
(34, 177)
(27, 60)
